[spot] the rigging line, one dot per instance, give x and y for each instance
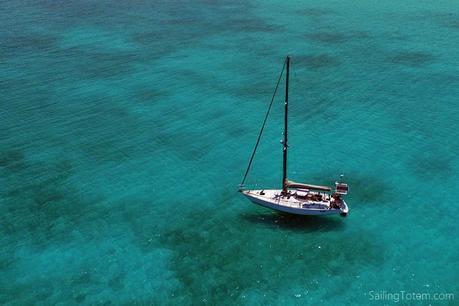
(263, 126)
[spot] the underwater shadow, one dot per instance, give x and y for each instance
(296, 222)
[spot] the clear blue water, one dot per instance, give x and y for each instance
(125, 128)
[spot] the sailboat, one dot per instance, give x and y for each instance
(296, 198)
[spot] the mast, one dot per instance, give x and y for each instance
(284, 142)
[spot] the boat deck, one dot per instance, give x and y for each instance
(311, 200)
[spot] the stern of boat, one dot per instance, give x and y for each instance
(344, 209)
(341, 190)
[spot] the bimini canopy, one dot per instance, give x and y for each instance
(291, 184)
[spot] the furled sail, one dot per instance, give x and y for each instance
(291, 184)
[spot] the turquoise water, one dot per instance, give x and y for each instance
(126, 127)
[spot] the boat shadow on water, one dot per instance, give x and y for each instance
(296, 222)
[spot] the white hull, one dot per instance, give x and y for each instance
(272, 199)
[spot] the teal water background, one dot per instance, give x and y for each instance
(126, 126)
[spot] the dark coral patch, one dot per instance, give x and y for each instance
(431, 163)
(317, 61)
(369, 189)
(332, 37)
(453, 24)
(149, 95)
(12, 159)
(328, 37)
(210, 255)
(315, 12)
(448, 20)
(257, 89)
(295, 223)
(412, 59)
(253, 25)
(106, 65)
(28, 42)
(48, 207)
